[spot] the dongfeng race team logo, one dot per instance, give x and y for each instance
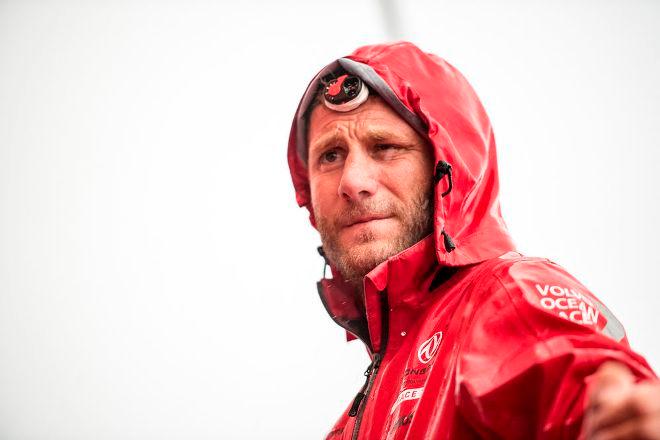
(428, 349)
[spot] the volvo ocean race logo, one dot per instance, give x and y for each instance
(428, 349)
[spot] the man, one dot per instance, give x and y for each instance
(394, 157)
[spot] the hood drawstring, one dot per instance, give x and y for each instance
(449, 243)
(325, 260)
(443, 169)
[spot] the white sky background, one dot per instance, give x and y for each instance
(157, 280)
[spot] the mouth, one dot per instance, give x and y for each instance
(365, 219)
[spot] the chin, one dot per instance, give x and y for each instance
(357, 250)
(361, 258)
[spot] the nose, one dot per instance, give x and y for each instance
(358, 179)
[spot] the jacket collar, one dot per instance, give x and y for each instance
(402, 280)
(407, 274)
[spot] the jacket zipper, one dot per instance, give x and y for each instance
(360, 401)
(356, 408)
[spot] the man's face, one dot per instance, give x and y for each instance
(370, 175)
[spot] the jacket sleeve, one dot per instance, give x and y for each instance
(535, 338)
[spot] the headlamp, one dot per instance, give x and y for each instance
(345, 93)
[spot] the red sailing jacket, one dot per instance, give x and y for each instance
(468, 338)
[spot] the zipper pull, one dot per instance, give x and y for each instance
(356, 404)
(375, 363)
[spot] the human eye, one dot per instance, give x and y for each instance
(330, 156)
(387, 150)
(385, 147)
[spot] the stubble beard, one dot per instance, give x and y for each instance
(356, 261)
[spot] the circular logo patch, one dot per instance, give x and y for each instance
(429, 348)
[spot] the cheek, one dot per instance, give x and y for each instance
(409, 178)
(323, 192)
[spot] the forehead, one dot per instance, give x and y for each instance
(372, 116)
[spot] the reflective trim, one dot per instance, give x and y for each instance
(614, 329)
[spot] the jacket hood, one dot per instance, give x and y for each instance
(437, 101)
